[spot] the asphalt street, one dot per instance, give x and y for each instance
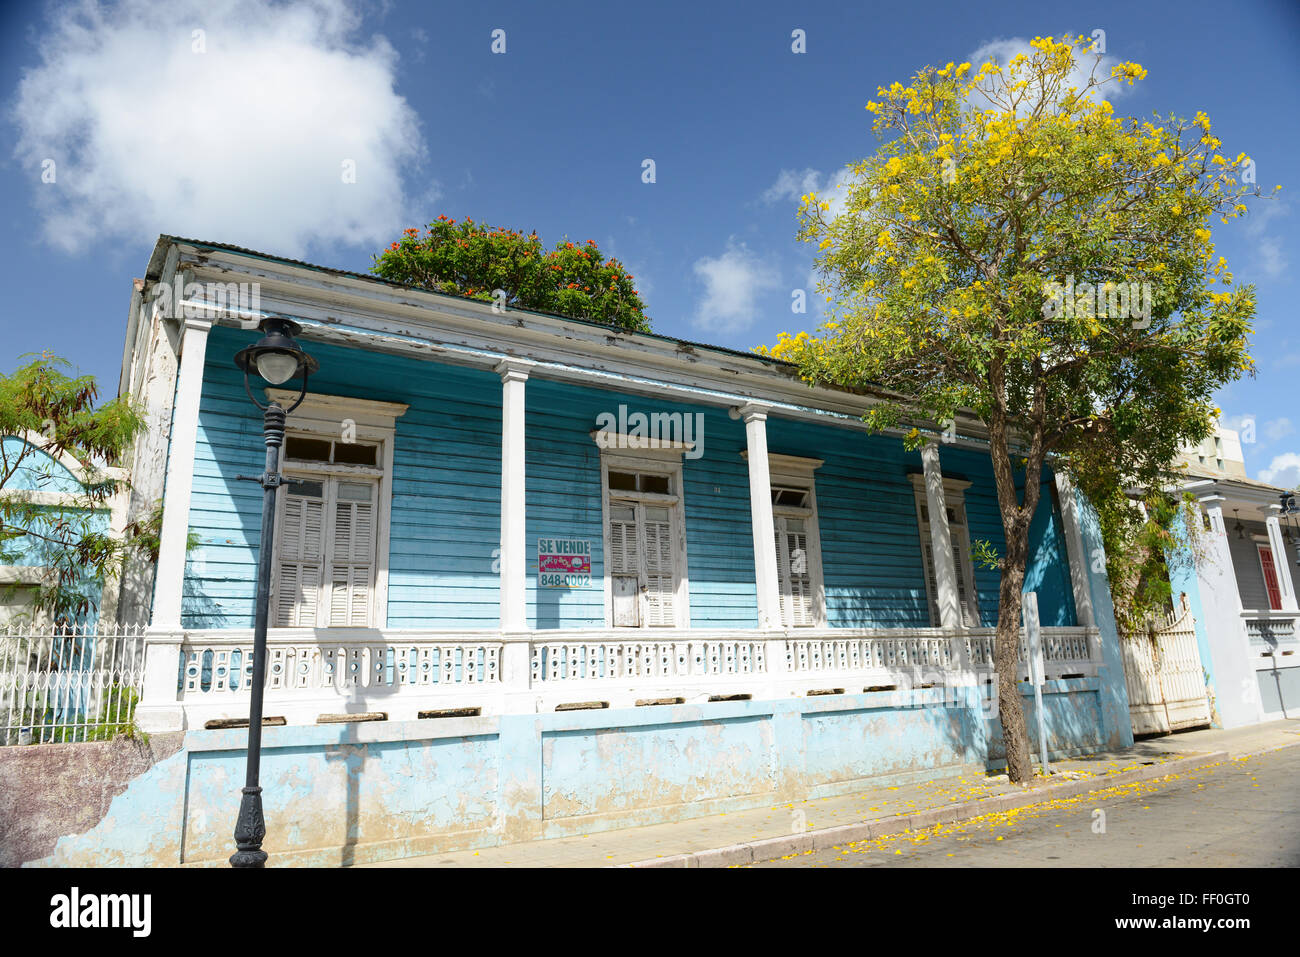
(1244, 812)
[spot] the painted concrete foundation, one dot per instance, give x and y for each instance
(51, 790)
(340, 794)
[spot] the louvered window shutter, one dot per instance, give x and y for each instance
(792, 572)
(624, 555)
(1270, 577)
(300, 560)
(623, 545)
(963, 589)
(800, 581)
(932, 579)
(352, 565)
(782, 571)
(659, 578)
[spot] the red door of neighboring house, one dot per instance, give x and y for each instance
(1270, 576)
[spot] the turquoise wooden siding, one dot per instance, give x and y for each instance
(446, 503)
(564, 495)
(871, 547)
(1048, 571)
(446, 487)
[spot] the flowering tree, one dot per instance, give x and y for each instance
(43, 414)
(511, 268)
(1019, 253)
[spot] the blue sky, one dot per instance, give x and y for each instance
(229, 120)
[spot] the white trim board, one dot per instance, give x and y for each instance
(322, 416)
(659, 462)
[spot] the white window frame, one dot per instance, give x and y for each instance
(323, 417)
(666, 460)
(794, 471)
(954, 497)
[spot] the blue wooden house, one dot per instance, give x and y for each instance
(506, 515)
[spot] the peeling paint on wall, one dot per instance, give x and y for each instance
(343, 794)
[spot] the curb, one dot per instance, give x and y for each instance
(816, 840)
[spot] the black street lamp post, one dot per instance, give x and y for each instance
(277, 358)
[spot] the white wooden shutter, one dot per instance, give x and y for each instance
(659, 573)
(624, 561)
(800, 581)
(931, 579)
(352, 557)
(623, 548)
(964, 598)
(300, 560)
(782, 572)
(795, 583)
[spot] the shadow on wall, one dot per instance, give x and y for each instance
(931, 725)
(1072, 718)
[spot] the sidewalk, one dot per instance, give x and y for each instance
(722, 839)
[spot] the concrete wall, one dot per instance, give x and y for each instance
(48, 791)
(380, 791)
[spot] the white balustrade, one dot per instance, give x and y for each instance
(404, 674)
(560, 661)
(214, 667)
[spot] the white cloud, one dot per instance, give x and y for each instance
(792, 184)
(1283, 471)
(244, 142)
(1271, 259)
(1085, 65)
(732, 284)
(1276, 429)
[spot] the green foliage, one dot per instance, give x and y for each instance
(116, 718)
(984, 554)
(1144, 547)
(70, 537)
(1018, 254)
(940, 271)
(475, 260)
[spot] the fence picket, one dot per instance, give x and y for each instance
(69, 683)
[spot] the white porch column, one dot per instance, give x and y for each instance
(1074, 550)
(169, 579)
(766, 582)
(1280, 561)
(945, 570)
(514, 375)
(160, 709)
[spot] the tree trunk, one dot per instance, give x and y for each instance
(1016, 518)
(1006, 660)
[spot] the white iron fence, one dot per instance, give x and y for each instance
(69, 683)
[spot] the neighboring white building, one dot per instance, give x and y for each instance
(1218, 456)
(1244, 589)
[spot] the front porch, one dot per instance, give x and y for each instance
(405, 675)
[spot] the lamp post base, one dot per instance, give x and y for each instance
(250, 829)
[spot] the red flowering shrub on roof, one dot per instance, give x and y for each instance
(473, 260)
